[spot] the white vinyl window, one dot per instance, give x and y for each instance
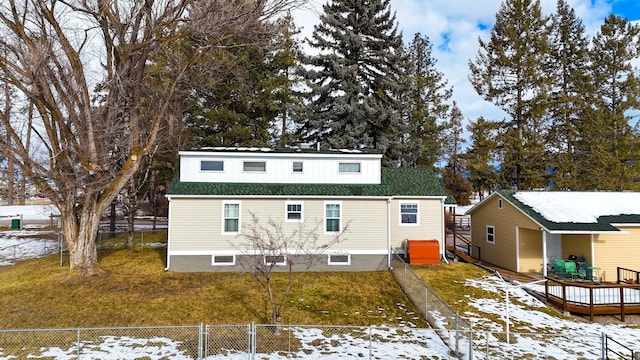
(279, 260)
(293, 211)
(208, 165)
(224, 260)
(339, 259)
(491, 234)
(332, 217)
(409, 213)
(349, 167)
(297, 167)
(259, 166)
(230, 217)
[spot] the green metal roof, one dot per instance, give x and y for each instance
(395, 182)
(602, 225)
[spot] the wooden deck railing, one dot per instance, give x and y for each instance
(593, 299)
(628, 276)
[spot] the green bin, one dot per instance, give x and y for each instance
(15, 223)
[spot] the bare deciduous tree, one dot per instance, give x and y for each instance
(272, 247)
(91, 70)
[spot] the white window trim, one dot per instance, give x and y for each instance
(286, 211)
(417, 223)
(297, 172)
(283, 263)
(350, 163)
(493, 233)
(348, 262)
(324, 215)
(214, 263)
(239, 203)
(218, 171)
(254, 171)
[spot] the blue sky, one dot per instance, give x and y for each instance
(453, 26)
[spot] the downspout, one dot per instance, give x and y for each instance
(544, 253)
(443, 233)
(168, 234)
(389, 234)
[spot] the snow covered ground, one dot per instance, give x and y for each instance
(547, 337)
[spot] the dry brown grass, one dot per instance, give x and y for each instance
(137, 291)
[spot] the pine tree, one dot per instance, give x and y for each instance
(608, 147)
(252, 90)
(426, 106)
(509, 71)
(453, 175)
(355, 80)
(481, 156)
(570, 91)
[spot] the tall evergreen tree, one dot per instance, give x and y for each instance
(481, 156)
(426, 106)
(355, 80)
(251, 90)
(609, 152)
(570, 93)
(509, 71)
(453, 177)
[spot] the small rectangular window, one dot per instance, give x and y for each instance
(224, 260)
(297, 166)
(294, 211)
(499, 203)
(275, 260)
(254, 166)
(409, 213)
(491, 234)
(339, 259)
(349, 167)
(332, 217)
(208, 165)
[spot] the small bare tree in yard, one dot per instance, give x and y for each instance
(102, 76)
(271, 247)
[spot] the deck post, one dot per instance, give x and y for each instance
(622, 303)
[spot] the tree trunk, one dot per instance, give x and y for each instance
(80, 231)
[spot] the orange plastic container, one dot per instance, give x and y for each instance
(423, 251)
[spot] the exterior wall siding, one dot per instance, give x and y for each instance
(617, 250)
(505, 221)
(430, 222)
(530, 251)
(317, 168)
(577, 245)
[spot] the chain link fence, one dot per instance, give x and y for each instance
(436, 311)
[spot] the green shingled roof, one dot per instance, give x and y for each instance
(603, 223)
(395, 182)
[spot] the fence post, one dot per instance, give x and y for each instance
(78, 344)
(603, 346)
(370, 343)
(457, 333)
(200, 340)
(426, 303)
(470, 342)
(252, 353)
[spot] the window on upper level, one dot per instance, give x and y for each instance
(297, 167)
(349, 167)
(254, 166)
(211, 165)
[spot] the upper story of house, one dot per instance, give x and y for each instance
(282, 166)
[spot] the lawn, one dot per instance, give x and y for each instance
(136, 291)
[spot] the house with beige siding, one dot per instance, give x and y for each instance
(218, 190)
(527, 231)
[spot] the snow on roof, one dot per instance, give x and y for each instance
(580, 207)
